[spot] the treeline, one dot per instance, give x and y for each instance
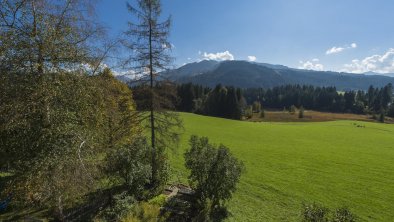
(327, 99)
(230, 102)
(221, 101)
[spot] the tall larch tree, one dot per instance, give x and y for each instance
(147, 41)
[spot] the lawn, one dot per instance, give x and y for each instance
(337, 163)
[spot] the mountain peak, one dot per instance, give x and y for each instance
(247, 74)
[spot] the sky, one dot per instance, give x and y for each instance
(336, 35)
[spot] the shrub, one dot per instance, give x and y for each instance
(214, 173)
(159, 200)
(130, 164)
(343, 215)
(144, 212)
(318, 213)
(314, 213)
(121, 206)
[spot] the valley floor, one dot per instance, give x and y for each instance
(335, 163)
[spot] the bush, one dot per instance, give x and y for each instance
(144, 212)
(214, 174)
(159, 200)
(131, 165)
(314, 213)
(343, 215)
(121, 206)
(318, 213)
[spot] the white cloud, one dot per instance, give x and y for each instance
(252, 58)
(335, 50)
(220, 56)
(311, 65)
(353, 45)
(375, 63)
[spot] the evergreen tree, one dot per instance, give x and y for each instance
(147, 39)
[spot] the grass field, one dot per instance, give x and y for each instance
(336, 163)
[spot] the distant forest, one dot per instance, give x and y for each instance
(230, 102)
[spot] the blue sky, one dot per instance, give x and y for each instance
(339, 35)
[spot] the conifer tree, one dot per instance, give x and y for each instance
(147, 42)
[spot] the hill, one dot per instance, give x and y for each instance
(252, 75)
(334, 163)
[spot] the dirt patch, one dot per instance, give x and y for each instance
(311, 116)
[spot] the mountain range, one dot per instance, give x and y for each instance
(246, 74)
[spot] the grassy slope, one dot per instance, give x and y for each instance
(333, 163)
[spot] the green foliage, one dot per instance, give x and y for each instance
(322, 98)
(158, 200)
(343, 215)
(131, 164)
(56, 128)
(318, 213)
(314, 213)
(150, 35)
(122, 204)
(144, 212)
(214, 172)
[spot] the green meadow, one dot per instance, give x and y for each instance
(338, 163)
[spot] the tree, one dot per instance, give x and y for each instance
(55, 150)
(214, 172)
(292, 109)
(256, 106)
(46, 35)
(262, 113)
(147, 40)
(131, 164)
(301, 113)
(390, 111)
(381, 116)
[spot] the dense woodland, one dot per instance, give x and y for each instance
(230, 102)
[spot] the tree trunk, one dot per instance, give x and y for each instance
(152, 116)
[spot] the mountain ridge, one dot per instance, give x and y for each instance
(246, 74)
